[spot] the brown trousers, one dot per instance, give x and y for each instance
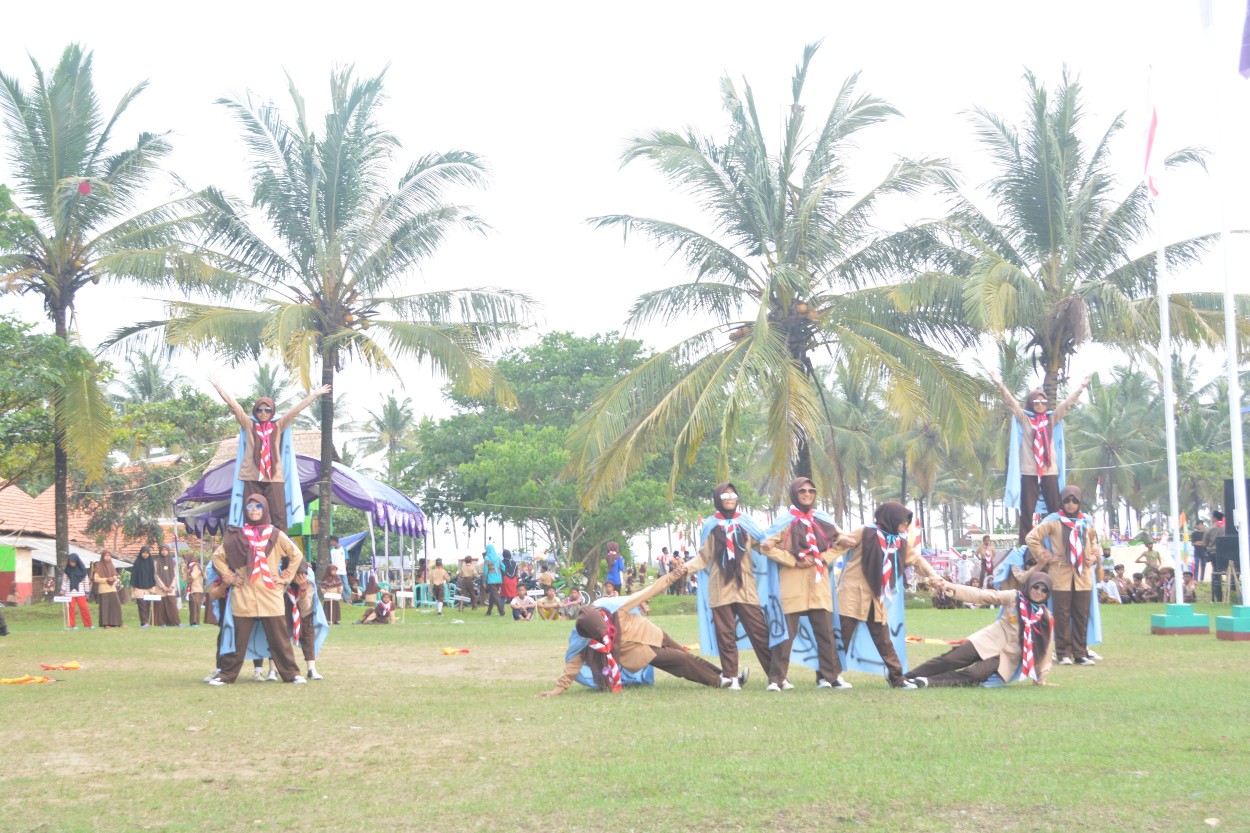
(725, 619)
(880, 634)
(145, 607)
(960, 666)
(278, 632)
(274, 493)
(333, 610)
(821, 621)
(468, 589)
(1071, 609)
(210, 611)
(493, 600)
(679, 662)
(1028, 499)
(195, 602)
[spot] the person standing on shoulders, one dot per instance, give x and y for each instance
(1039, 465)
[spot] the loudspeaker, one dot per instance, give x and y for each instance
(1230, 502)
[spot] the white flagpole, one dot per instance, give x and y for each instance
(1165, 359)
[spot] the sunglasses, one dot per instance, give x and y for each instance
(806, 491)
(251, 506)
(728, 496)
(264, 409)
(1040, 586)
(1068, 500)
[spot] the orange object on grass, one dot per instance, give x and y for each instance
(68, 666)
(447, 652)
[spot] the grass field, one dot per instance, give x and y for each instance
(400, 737)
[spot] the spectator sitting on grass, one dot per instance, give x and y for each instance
(1150, 590)
(381, 614)
(1190, 589)
(522, 607)
(609, 589)
(549, 605)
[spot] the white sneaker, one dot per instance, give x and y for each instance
(258, 675)
(908, 685)
(211, 677)
(726, 682)
(772, 687)
(313, 675)
(734, 685)
(215, 681)
(786, 685)
(841, 685)
(742, 676)
(299, 680)
(923, 682)
(273, 676)
(823, 683)
(1066, 661)
(1085, 661)
(1094, 656)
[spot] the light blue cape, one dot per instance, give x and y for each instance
(1011, 494)
(764, 583)
(579, 643)
(291, 486)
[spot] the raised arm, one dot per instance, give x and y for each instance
(302, 404)
(1062, 410)
(241, 416)
(1009, 399)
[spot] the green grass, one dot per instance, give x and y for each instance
(1152, 739)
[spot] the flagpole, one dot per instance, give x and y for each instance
(1169, 397)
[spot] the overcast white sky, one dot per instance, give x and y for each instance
(549, 93)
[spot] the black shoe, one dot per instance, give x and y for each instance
(4, 631)
(742, 677)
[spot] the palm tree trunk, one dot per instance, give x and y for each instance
(329, 360)
(60, 460)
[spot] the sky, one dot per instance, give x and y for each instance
(549, 93)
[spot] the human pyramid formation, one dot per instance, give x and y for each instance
(773, 591)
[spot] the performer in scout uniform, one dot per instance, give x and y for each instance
(1015, 646)
(332, 582)
(617, 646)
(1066, 546)
(438, 584)
(872, 577)
(1039, 464)
(166, 610)
(248, 562)
(727, 591)
(259, 465)
(804, 544)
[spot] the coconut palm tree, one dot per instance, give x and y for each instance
(1059, 257)
(323, 266)
(148, 379)
(391, 429)
(76, 224)
(791, 266)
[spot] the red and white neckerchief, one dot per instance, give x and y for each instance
(1076, 540)
(264, 435)
(1030, 615)
(295, 619)
(611, 670)
(988, 568)
(1041, 441)
(258, 541)
(812, 548)
(730, 525)
(889, 546)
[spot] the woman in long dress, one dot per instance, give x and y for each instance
(109, 613)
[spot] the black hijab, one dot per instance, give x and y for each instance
(75, 570)
(143, 571)
(888, 516)
(731, 568)
(509, 566)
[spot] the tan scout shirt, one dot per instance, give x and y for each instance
(855, 597)
(253, 599)
(801, 588)
(248, 469)
(1055, 560)
(721, 590)
(638, 637)
(1002, 638)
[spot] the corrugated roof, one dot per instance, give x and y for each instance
(307, 443)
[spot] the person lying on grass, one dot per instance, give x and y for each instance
(1015, 646)
(617, 645)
